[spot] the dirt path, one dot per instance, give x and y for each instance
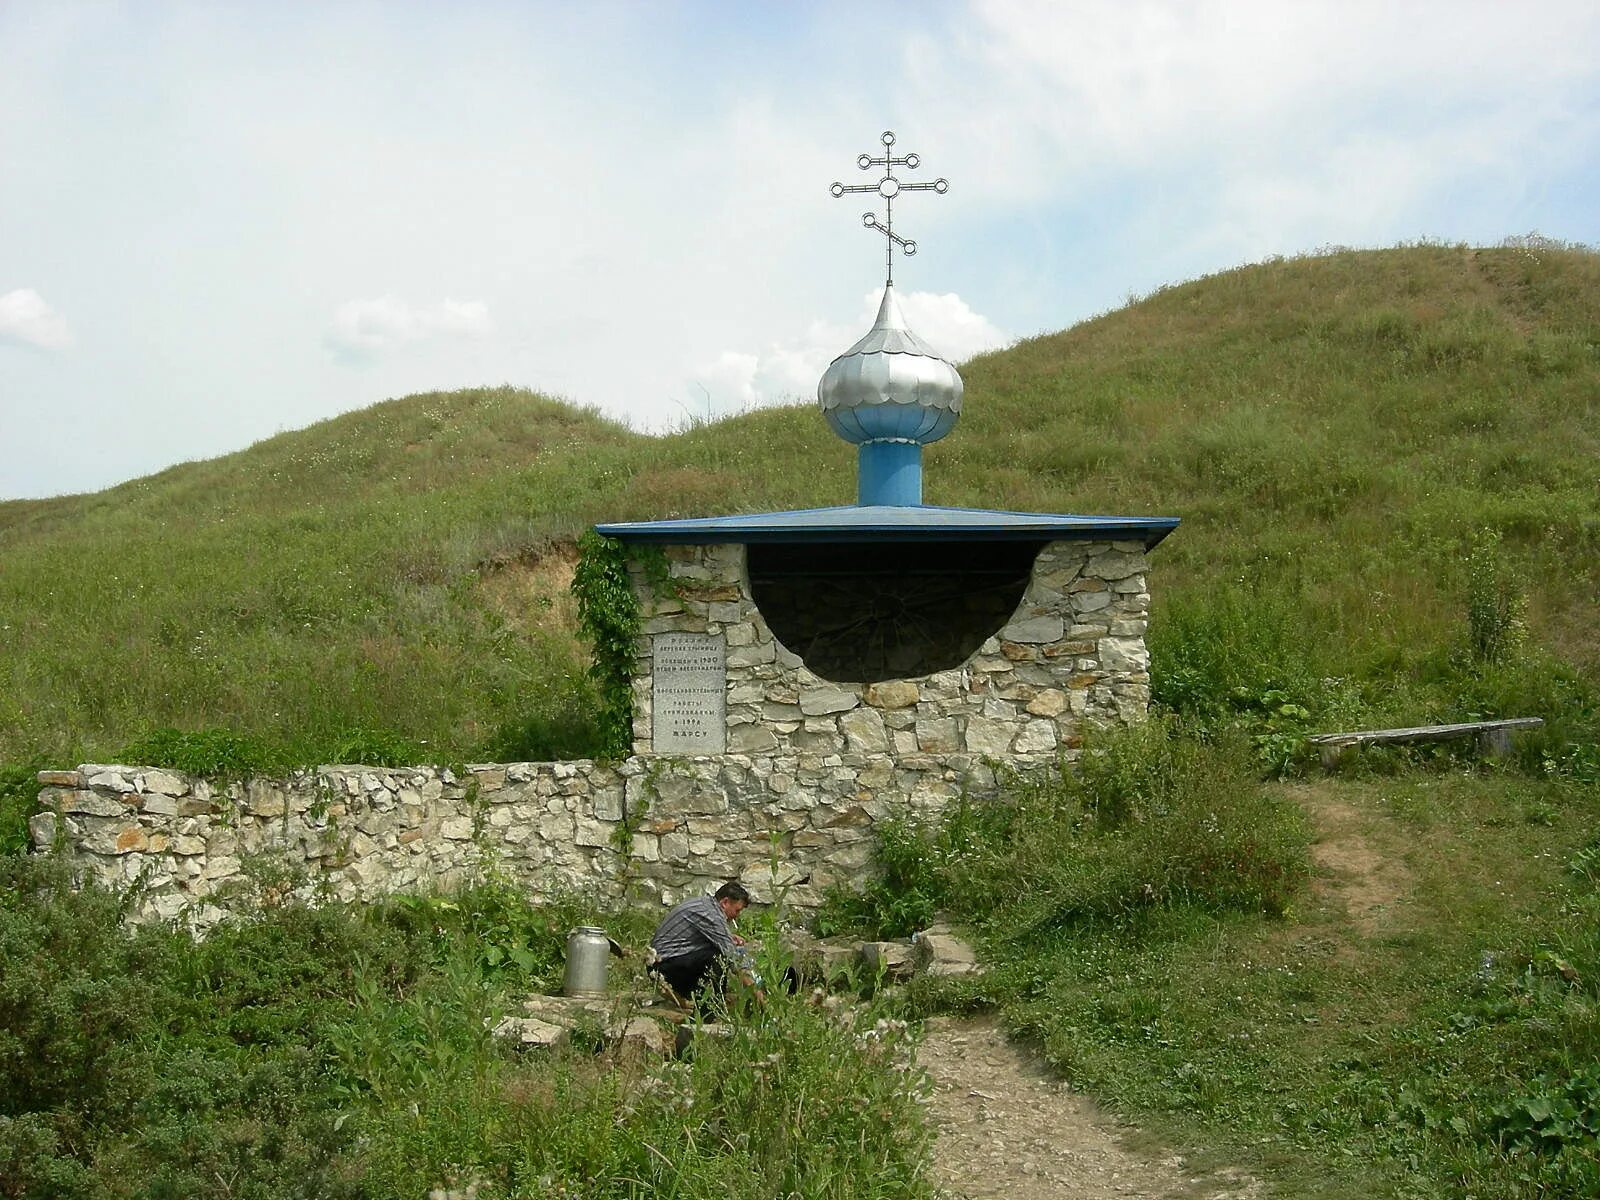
(1008, 1128)
(1368, 880)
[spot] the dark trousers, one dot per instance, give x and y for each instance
(693, 972)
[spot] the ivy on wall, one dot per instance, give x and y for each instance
(608, 616)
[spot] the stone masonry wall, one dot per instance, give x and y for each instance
(811, 766)
(1073, 652)
(651, 829)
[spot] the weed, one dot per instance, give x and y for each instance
(1146, 819)
(339, 1051)
(907, 889)
(19, 794)
(1496, 605)
(1557, 1118)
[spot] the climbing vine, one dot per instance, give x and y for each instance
(608, 615)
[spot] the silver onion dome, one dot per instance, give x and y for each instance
(890, 386)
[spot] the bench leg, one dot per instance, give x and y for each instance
(1494, 743)
(1331, 756)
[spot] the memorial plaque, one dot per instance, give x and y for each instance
(688, 706)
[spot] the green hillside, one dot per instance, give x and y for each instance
(1335, 432)
(1384, 982)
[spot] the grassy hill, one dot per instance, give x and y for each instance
(1384, 983)
(1334, 430)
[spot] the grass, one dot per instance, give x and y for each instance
(1377, 1061)
(1337, 431)
(1385, 984)
(344, 1052)
(308, 589)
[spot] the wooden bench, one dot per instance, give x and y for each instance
(1494, 737)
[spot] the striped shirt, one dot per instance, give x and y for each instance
(693, 926)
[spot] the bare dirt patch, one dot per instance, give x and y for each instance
(1008, 1127)
(1352, 870)
(532, 590)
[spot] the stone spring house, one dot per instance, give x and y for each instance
(810, 673)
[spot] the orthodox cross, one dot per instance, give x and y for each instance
(889, 187)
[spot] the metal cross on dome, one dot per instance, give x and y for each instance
(889, 187)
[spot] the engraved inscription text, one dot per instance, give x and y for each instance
(688, 713)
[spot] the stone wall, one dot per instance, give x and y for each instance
(1072, 652)
(650, 829)
(810, 765)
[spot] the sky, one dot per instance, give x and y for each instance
(219, 221)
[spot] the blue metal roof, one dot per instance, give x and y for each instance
(892, 523)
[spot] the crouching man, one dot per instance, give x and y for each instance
(695, 949)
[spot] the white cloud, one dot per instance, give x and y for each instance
(1140, 80)
(363, 329)
(726, 383)
(1336, 120)
(946, 322)
(25, 317)
(788, 371)
(672, 231)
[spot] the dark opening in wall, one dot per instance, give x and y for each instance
(861, 612)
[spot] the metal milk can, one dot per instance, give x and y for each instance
(588, 956)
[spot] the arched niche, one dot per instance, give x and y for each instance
(863, 612)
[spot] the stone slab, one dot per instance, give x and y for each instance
(530, 1033)
(688, 693)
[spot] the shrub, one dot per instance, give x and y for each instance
(19, 795)
(909, 887)
(1496, 605)
(227, 754)
(74, 987)
(137, 1061)
(1216, 653)
(1147, 818)
(571, 732)
(220, 753)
